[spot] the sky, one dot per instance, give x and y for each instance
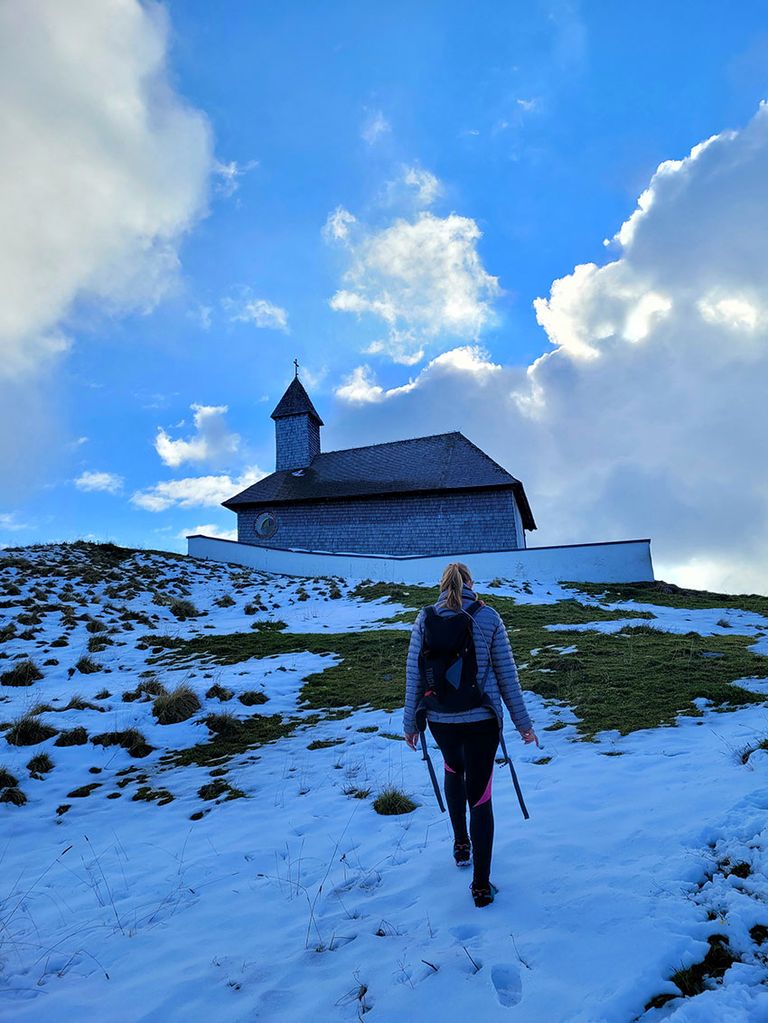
(541, 223)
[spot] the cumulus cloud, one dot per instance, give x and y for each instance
(104, 168)
(208, 530)
(258, 311)
(106, 482)
(424, 279)
(194, 491)
(648, 416)
(212, 442)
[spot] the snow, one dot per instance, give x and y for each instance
(300, 902)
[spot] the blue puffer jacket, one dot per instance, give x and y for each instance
(501, 680)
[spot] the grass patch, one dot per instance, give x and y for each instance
(72, 737)
(87, 666)
(217, 692)
(177, 705)
(131, 739)
(40, 763)
(252, 698)
(392, 801)
(669, 595)
(145, 691)
(147, 794)
(324, 743)
(635, 678)
(233, 736)
(29, 730)
(356, 793)
(25, 673)
(224, 601)
(14, 796)
(84, 791)
(692, 979)
(7, 780)
(218, 787)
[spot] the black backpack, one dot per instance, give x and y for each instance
(447, 661)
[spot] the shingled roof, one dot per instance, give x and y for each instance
(294, 402)
(444, 461)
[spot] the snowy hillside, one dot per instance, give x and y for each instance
(189, 757)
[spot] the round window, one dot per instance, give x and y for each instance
(266, 525)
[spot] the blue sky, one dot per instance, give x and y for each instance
(538, 124)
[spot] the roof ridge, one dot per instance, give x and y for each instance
(389, 443)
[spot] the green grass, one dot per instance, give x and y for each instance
(324, 743)
(29, 730)
(669, 595)
(130, 739)
(637, 678)
(391, 801)
(252, 698)
(14, 796)
(233, 737)
(40, 763)
(72, 737)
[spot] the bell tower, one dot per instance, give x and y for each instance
(297, 427)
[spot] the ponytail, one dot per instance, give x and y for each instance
(454, 577)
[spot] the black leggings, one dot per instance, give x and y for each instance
(469, 752)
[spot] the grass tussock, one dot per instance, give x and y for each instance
(145, 691)
(217, 692)
(7, 780)
(177, 705)
(131, 739)
(217, 788)
(72, 737)
(24, 673)
(84, 790)
(252, 698)
(391, 802)
(87, 666)
(14, 796)
(29, 730)
(40, 764)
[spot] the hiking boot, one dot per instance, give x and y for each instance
(462, 854)
(483, 896)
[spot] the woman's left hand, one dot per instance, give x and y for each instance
(530, 736)
(411, 739)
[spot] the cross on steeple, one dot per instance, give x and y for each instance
(296, 364)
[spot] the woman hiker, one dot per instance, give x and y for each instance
(458, 693)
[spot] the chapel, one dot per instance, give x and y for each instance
(422, 496)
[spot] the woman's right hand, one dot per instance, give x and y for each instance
(530, 736)
(411, 739)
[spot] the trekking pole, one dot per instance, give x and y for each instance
(518, 790)
(431, 770)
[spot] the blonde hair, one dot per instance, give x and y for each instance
(453, 579)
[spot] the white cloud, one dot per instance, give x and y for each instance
(427, 186)
(194, 491)
(107, 482)
(208, 530)
(213, 442)
(338, 224)
(374, 127)
(104, 169)
(648, 416)
(257, 311)
(424, 278)
(9, 521)
(228, 175)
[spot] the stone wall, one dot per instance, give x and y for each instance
(415, 524)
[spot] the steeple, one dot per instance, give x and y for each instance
(297, 427)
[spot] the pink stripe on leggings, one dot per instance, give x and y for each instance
(487, 794)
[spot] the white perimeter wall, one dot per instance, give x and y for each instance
(623, 561)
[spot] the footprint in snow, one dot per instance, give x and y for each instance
(509, 986)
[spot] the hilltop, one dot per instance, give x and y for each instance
(189, 756)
